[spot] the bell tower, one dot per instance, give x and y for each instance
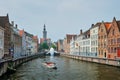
(44, 33)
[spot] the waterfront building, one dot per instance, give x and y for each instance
(86, 44)
(80, 44)
(33, 47)
(94, 39)
(60, 45)
(29, 41)
(24, 43)
(73, 45)
(1, 42)
(16, 42)
(80, 38)
(4, 23)
(66, 43)
(35, 44)
(114, 40)
(76, 46)
(103, 39)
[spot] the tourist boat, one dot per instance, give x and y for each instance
(51, 65)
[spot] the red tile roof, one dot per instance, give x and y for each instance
(21, 32)
(108, 25)
(35, 37)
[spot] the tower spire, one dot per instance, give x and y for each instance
(44, 27)
(44, 33)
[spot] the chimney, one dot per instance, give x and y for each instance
(81, 31)
(7, 14)
(16, 26)
(92, 25)
(12, 22)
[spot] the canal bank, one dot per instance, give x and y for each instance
(9, 64)
(67, 69)
(104, 61)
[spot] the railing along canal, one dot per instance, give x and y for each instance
(15, 62)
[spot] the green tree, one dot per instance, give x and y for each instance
(53, 46)
(40, 47)
(44, 46)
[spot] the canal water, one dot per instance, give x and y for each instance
(67, 69)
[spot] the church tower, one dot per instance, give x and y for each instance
(44, 33)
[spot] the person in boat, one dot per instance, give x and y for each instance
(48, 63)
(51, 64)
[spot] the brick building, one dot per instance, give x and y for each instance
(66, 43)
(114, 40)
(4, 22)
(1, 42)
(102, 39)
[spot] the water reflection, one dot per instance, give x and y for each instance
(68, 69)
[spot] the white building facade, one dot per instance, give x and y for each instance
(29, 44)
(72, 47)
(81, 45)
(24, 43)
(94, 41)
(34, 47)
(16, 42)
(84, 44)
(86, 47)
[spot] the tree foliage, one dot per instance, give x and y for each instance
(43, 46)
(53, 46)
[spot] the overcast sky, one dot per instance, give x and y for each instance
(61, 17)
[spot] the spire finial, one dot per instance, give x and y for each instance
(44, 27)
(114, 18)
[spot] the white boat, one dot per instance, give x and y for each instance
(51, 65)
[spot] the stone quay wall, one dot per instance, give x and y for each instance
(95, 60)
(14, 63)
